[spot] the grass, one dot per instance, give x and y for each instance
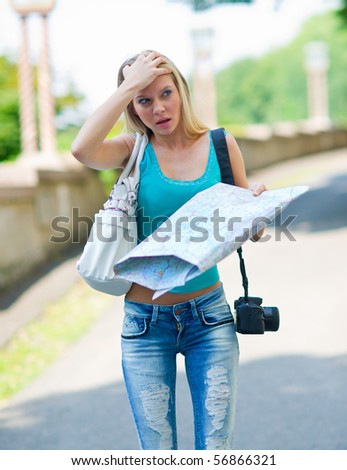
(40, 342)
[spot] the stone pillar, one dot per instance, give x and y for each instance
(46, 103)
(316, 62)
(204, 92)
(26, 95)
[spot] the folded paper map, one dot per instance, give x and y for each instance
(209, 227)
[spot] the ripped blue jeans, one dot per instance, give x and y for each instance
(203, 330)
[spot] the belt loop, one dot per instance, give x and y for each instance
(193, 308)
(155, 314)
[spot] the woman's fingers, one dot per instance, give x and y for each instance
(257, 188)
(152, 58)
(145, 69)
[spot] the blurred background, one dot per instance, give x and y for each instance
(272, 72)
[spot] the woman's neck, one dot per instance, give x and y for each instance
(174, 141)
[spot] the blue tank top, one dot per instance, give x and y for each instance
(159, 197)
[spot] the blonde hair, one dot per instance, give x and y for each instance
(192, 126)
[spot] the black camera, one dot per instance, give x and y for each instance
(253, 319)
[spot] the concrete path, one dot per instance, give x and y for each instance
(292, 384)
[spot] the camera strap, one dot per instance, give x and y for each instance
(221, 148)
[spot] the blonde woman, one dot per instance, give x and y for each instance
(195, 319)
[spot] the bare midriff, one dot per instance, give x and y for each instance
(138, 293)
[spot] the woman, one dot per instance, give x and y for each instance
(194, 320)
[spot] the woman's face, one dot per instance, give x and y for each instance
(159, 106)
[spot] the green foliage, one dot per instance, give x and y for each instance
(9, 110)
(274, 88)
(71, 98)
(108, 178)
(342, 12)
(65, 138)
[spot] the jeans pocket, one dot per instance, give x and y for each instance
(133, 326)
(216, 316)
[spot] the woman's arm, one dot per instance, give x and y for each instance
(236, 162)
(90, 146)
(239, 173)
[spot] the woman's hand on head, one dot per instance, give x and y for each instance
(144, 70)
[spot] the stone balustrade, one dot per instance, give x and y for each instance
(37, 198)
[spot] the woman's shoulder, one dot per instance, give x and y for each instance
(231, 141)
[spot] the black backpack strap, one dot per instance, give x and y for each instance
(221, 148)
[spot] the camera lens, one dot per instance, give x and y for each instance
(272, 318)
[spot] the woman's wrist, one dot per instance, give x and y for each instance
(128, 89)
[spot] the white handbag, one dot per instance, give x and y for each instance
(114, 231)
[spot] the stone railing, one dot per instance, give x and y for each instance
(37, 197)
(264, 145)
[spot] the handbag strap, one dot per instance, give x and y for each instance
(221, 148)
(141, 141)
(130, 184)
